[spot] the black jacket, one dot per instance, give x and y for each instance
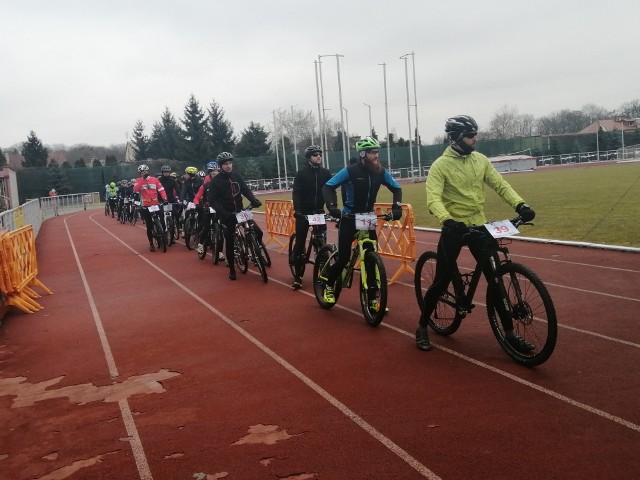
(170, 187)
(307, 189)
(190, 187)
(226, 192)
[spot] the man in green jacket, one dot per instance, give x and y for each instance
(456, 196)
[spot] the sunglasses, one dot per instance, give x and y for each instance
(316, 154)
(470, 134)
(373, 152)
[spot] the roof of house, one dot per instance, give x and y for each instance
(611, 124)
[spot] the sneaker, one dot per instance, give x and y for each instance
(152, 248)
(232, 274)
(297, 283)
(518, 343)
(200, 249)
(221, 257)
(422, 339)
(328, 295)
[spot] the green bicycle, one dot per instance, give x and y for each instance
(373, 277)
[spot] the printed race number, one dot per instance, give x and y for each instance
(317, 219)
(366, 221)
(502, 228)
(244, 216)
(153, 208)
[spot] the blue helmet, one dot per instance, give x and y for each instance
(213, 165)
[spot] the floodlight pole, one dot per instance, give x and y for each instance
(295, 145)
(415, 104)
(386, 114)
(370, 124)
(346, 112)
(275, 144)
(315, 64)
(406, 77)
(323, 121)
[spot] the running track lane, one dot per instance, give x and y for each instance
(344, 400)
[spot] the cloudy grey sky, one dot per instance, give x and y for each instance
(84, 71)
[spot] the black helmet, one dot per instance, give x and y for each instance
(311, 149)
(165, 168)
(458, 126)
(223, 158)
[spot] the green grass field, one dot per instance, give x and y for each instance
(594, 203)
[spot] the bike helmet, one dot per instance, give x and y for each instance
(191, 170)
(367, 143)
(143, 168)
(165, 168)
(201, 174)
(223, 158)
(311, 149)
(213, 166)
(112, 184)
(458, 126)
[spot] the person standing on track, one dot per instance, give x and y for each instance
(307, 200)
(225, 196)
(203, 197)
(361, 182)
(456, 196)
(148, 187)
(112, 198)
(171, 189)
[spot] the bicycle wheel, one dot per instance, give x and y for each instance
(158, 235)
(325, 258)
(445, 319)
(240, 253)
(534, 315)
(255, 251)
(373, 300)
(171, 229)
(264, 253)
(190, 232)
(216, 242)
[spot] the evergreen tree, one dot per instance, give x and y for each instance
(140, 141)
(171, 140)
(253, 142)
(110, 160)
(34, 153)
(374, 134)
(155, 140)
(96, 163)
(66, 164)
(80, 163)
(196, 146)
(219, 130)
(57, 179)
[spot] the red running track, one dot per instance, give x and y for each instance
(156, 366)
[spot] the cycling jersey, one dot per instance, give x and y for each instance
(455, 187)
(190, 188)
(307, 189)
(170, 187)
(149, 189)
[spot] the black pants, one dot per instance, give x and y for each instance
(146, 216)
(302, 228)
(449, 247)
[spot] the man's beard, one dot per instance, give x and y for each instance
(373, 167)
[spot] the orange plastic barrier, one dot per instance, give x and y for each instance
(18, 270)
(397, 238)
(280, 221)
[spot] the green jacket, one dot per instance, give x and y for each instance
(455, 187)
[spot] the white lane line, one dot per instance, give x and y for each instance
(136, 444)
(346, 411)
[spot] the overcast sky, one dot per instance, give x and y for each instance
(85, 71)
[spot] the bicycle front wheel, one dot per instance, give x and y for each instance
(445, 319)
(373, 291)
(534, 315)
(292, 266)
(240, 253)
(171, 229)
(190, 232)
(325, 258)
(158, 235)
(255, 252)
(216, 242)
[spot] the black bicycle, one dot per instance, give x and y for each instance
(169, 222)
(247, 247)
(514, 286)
(316, 241)
(159, 235)
(190, 226)
(214, 239)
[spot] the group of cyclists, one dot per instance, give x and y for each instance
(455, 195)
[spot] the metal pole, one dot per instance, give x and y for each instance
(275, 144)
(415, 104)
(344, 140)
(370, 125)
(598, 142)
(386, 114)
(406, 76)
(295, 145)
(323, 132)
(315, 65)
(346, 112)
(284, 162)
(622, 131)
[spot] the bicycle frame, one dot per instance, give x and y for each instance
(362, 243)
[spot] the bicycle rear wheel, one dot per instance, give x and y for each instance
(534, 315)
(445, 319)
(325, 258)
(373, 300)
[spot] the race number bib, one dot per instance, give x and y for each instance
(154, 208)
(137, 202)
(366, 221)
(168, 207)
(316, 219)
(244, 216)
(191, 206)
(502, 228)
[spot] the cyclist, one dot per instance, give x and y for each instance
(203, 197)
(456, 196)
(225, 196)
(112, 197)
(307, 200)
(171, 189)
(149, 187)
(361, 182)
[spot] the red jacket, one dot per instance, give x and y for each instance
(149, 188)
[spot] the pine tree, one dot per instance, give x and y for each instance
(34, 153)
(219, 130)
(140, 141)
(253, 142)
(171, 140)
(80, 163)
(57, 179)
(196, 146)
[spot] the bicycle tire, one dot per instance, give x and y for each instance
(255, 251)
(240, 253)
(190, 232)
(170, 229)
(446, 319)
(534, 318)
(135, 217)
(158, 235)
(262, 251)
(216, 242)
(374, 317)
(326, 257)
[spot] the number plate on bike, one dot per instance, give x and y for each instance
(366, 221)
(501, 228)
(136, 202)
(154, 208)
(317, 219)
(191, 206)
(168, 207)
(244, 216)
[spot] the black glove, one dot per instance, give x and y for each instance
(256, 204)
(396, 212)
(456, 227)
(298, 215)
(334, 211)
(525, 212)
